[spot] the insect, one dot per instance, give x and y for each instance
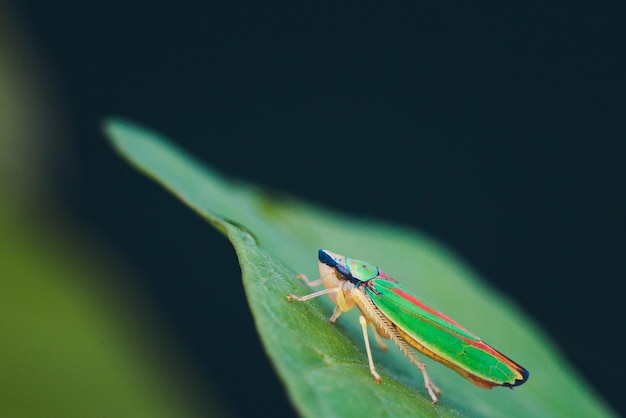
(396, 314)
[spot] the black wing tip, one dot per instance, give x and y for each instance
(521, 381)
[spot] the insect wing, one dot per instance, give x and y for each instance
(443, 339)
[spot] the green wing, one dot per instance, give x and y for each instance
(443, 339)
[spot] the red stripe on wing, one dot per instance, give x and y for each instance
(478, 343)
(427, 308)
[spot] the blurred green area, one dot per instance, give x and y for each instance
(77, 338)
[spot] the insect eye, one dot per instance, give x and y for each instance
(341, 270)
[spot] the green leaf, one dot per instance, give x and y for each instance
(323, 366)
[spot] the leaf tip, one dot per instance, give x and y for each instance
(116, 128)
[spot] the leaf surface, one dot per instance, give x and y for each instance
(324, 367)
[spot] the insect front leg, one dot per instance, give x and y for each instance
(314, 294)
(335, 314)
(340, 304)
(310, 283)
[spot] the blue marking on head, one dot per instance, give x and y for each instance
(325, 258)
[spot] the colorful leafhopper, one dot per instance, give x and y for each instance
(400, 316)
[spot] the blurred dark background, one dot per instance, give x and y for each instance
(498, 129)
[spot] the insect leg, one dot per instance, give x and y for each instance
(433, 390)
(363, 323)
(310, 283)
(335, 314)
(379, 341)
(314, 294)
(340, 302)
